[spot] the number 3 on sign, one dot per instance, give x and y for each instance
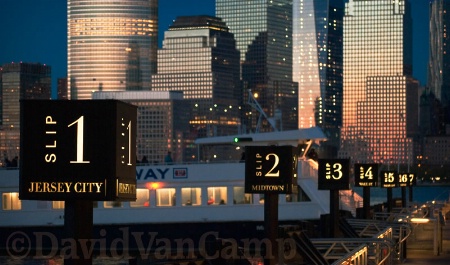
(331, 170)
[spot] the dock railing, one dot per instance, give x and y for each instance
(357, 256)
(428, 222)
(376, 250)
(380, 248)
(366, 228)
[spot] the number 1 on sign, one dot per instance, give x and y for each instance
(129, 144)
(80, 139)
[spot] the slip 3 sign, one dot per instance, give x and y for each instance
(334, 174)
(270, 169)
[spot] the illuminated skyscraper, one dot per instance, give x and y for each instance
(263, 33)
(162, 123)
(199, 57)
(317, 65)
(112, 45)
(439, 56)
(19, 81)
(380, 105)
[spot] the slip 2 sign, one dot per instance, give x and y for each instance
(334, 174)
(270, 169)
(82, 150)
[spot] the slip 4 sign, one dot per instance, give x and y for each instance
(334, 174)
(366, 175)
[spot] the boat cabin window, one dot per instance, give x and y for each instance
(10, 201)
(240, 197)
(58, 204)
(191, 196)
(112, 204)
(142, 198)
(217, 195)
(165, 197)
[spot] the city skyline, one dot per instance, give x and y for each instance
(37, 31)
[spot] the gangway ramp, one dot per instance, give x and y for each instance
(324, 251)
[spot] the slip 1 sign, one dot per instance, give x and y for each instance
(270, 169)
(334, 174)
(77, 149)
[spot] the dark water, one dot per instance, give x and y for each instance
(421, 194)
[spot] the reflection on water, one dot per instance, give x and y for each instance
(421, 194)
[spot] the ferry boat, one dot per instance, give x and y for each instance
(199, 194)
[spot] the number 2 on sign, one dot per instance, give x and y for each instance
(270, 173)
(275, 164)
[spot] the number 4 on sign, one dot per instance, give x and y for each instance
(368, 174)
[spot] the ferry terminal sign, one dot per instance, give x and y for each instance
(270, 169)
(333, 174)
(83, 149)
(389, 179)
(366, 175)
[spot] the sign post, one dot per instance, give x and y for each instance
(406, 180)
(334, 176)
(78, 152)
(389, 180)
(271, 170)
(366, 176)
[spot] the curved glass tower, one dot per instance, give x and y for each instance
(111, 45)
(317, 64)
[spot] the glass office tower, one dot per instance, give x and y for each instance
(199, 57)
(111, 45)
(263, 33)
(317, 65)
(19, 81)
(162, 123)
(380, 96)
(439, 59)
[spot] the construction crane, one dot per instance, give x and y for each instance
(254, 103)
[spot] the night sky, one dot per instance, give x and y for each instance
(36, 31)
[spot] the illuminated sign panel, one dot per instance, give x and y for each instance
(366, 175)
(77, 150)
(389, 179)
(334, 174)
(270, 169)
(406, 179)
